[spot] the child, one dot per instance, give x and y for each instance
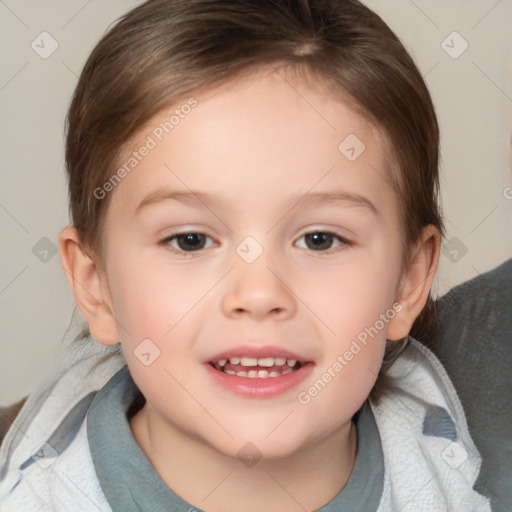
(255, 230)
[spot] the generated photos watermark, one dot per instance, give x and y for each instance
(152, 140)
(342, 360)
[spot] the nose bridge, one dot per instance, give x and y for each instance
(255, 288)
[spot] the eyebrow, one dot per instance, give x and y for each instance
(197, 198)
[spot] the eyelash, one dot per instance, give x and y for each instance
(342, 241)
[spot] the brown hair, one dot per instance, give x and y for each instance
(164, 50)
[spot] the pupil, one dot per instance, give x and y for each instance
(320, 240)
(191, 240)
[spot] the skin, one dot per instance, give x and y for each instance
(256, 145)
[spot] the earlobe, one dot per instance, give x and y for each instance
(416, 282)
(89, 287)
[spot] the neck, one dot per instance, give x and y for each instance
(215, 482)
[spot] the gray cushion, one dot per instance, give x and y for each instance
(474, 343)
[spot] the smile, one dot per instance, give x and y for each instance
(261, 368)
(261, 372)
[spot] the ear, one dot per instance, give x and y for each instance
(414, 287)
(89, 286)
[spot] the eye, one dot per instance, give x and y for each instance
(187, 242)
(323, 240)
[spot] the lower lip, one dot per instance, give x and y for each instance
(260, 388)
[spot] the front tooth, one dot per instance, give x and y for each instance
(266, 361)
(234, 360)
(248, 361)
(291, 362)
(262, 374)
(222, 362)
(280, 361)
(253, 374)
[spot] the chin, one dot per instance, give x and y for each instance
(249, 448)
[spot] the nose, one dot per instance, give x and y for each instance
(256, 290)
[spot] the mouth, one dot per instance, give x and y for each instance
(257, 368)
(258, 372)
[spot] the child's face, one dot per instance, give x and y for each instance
(263, 156)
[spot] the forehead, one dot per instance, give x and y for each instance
(269, 127)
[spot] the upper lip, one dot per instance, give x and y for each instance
(257, 353)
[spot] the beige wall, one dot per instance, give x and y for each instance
(472, 92)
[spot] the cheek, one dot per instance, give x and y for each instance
(149, 297)
(355, 306)
(156, 308)
(353, 297)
